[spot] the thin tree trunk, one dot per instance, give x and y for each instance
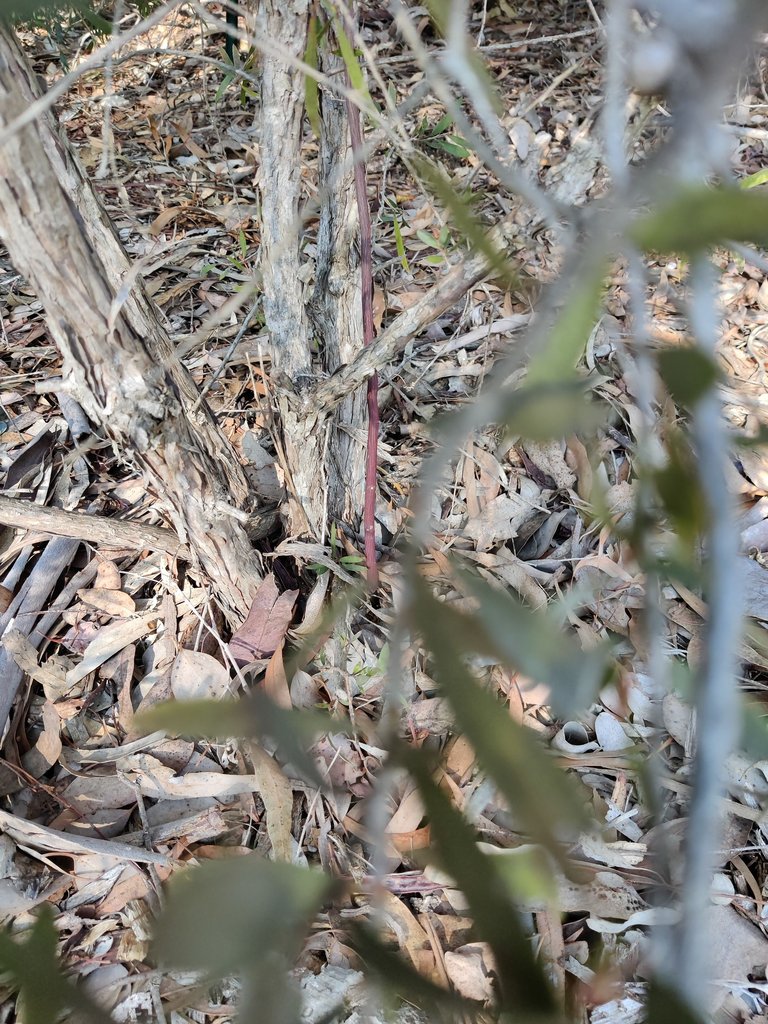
(282, 104)
(336, 304)
(117, 358)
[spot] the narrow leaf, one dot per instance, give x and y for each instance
(400, 246)
(695, 218)
(566, 340)
(311, 90)
(544, 799)
(496, 918)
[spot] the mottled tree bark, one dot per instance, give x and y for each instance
(336, 307)
(118, 361)
(282, 105)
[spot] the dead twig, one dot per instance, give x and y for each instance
(114, 533)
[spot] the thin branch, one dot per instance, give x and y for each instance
(717, 704)
(441, 296)
(114, 533)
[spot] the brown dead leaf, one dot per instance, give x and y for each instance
(411, 937)
(263, 631)
(277, 794)
(470, 969)
(275, 680)
(110, 602)
(107, 576)
(45, 752)
(499, 520)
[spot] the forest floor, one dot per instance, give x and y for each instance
(173, 151)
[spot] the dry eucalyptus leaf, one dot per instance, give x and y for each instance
(47, 747)
(109, 640)
(111, 602)
(198, 676)
(499, 520)
(263, 630)
(471, 971)
(51, 676)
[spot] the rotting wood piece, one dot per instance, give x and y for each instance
(117, 357)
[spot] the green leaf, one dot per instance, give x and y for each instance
(451, 146)
(251, 717)
(541, 412)
(427, 239)
(230, 916)
(532, 642)
(753, 180)
(348, 55)
(463, 218)
(567, 338)
(495, 916)
(400, 246)
(546, 802)
(220, 915)
(696, 218)
(33, 970)
(679, 489)
(688, 373)
(311, 86)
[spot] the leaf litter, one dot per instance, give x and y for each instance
(97, 815)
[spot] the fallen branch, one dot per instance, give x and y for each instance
(114, 533)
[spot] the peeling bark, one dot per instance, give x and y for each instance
(118, 361)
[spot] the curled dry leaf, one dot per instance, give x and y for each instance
(52, 675)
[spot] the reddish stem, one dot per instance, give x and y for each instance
(366, 272)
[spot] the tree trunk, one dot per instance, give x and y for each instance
(336, 307)
(282, 105)
(118, 361)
